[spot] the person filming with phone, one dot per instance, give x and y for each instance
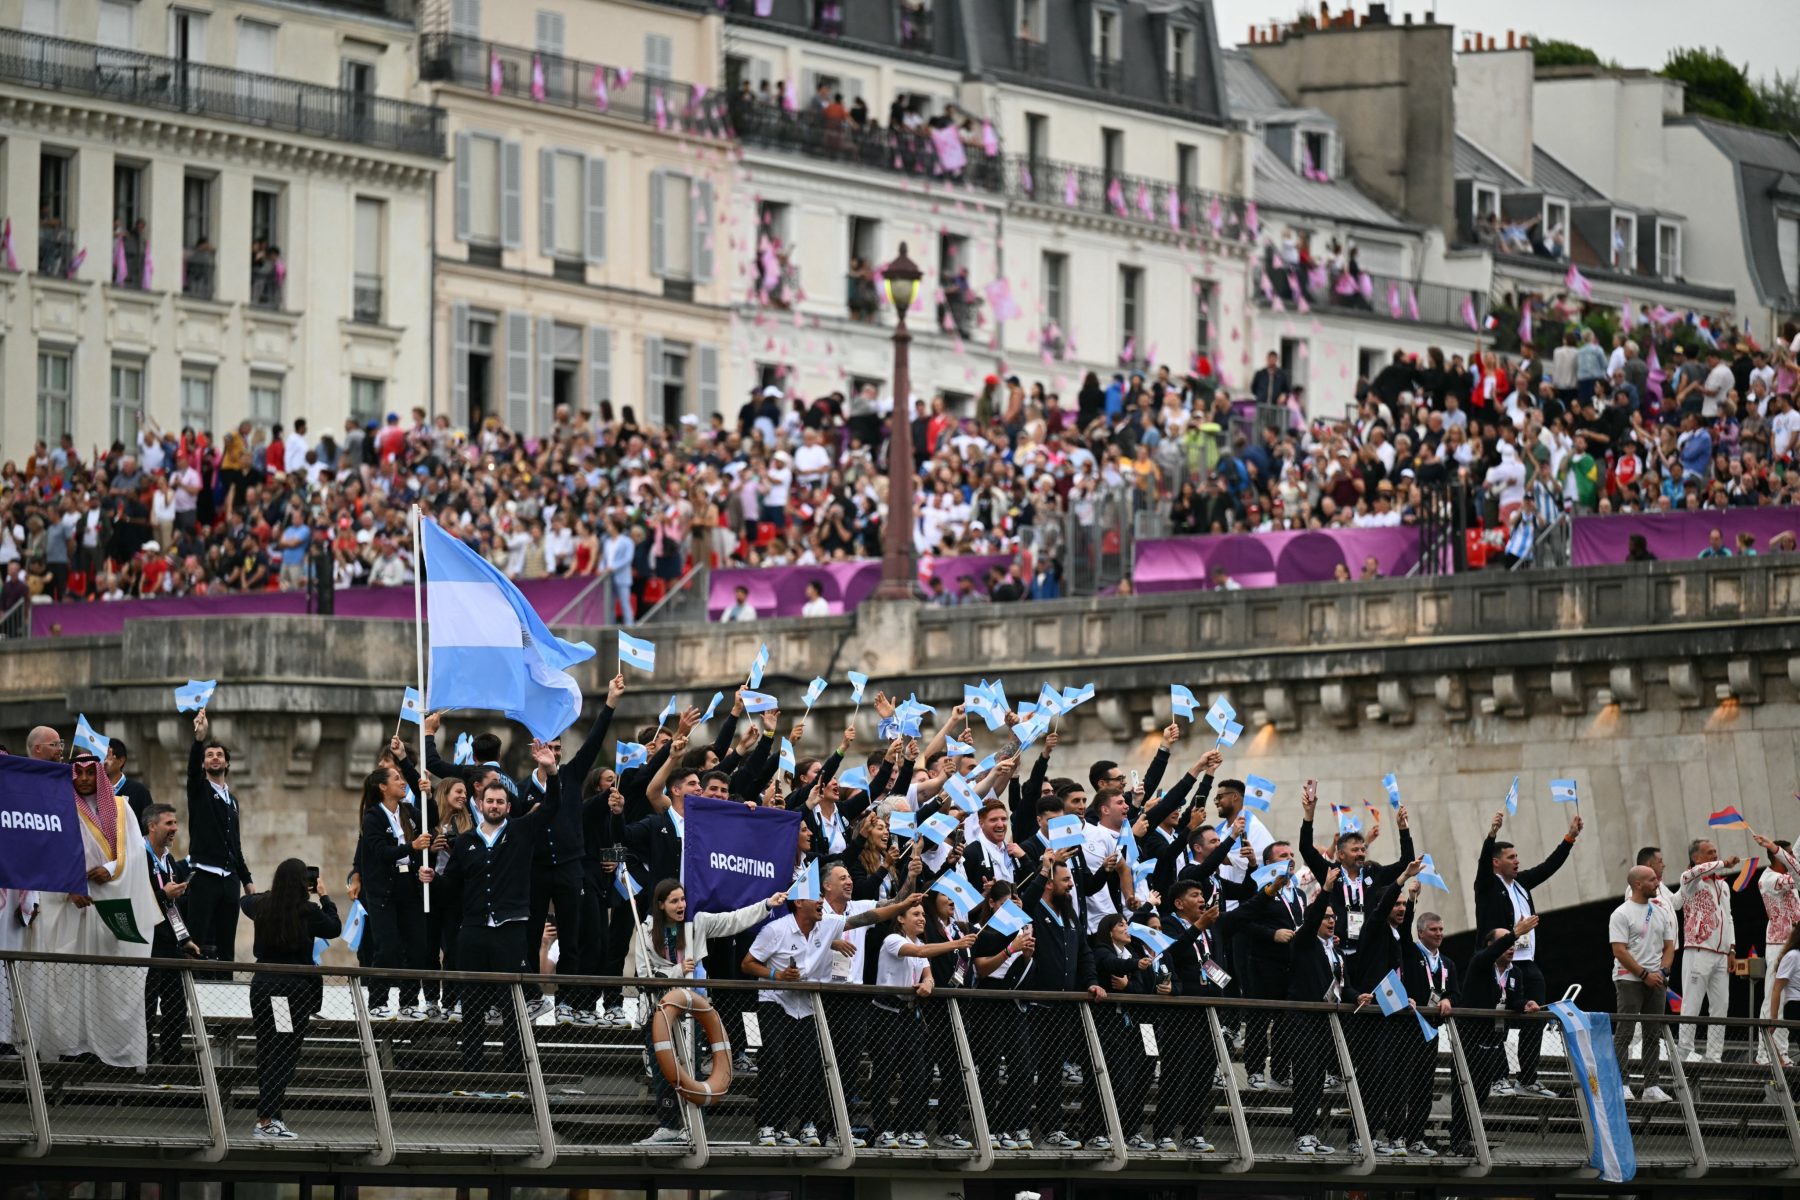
(286, 920)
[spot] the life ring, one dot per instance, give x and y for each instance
(701, 1093)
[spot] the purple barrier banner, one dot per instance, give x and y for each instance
(1675, 535)
(1266, 559)
(548, 596)
(781, 591)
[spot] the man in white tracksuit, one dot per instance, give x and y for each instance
(1708, 954)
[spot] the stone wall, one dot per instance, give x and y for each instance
(1667, 690)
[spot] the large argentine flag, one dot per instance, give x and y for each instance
(1588, 1036)
(488, 648)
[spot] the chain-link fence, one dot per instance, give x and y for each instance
(687, 1074)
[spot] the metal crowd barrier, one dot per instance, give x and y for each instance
(966, 1081)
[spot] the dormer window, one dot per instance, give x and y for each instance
(1106, 36)
(1181, 52)
(828, 17)
(1315, 155)
(1031, 20)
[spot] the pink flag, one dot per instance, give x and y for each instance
(149, 267)
(698, 95)
(1626, 321)
(1662, 316)
(537, 78)
(601, 97)
(1215, 216)
(1578, 284)
(80, 257)
(1115, 196)
(764, 7)
(1394, 300)
(6, 246)
(1468, 314)
(951, 156)
(119, 258)
(1525, 324)
(1128, 355)
(496, 77)
(1301, 304)
(1250, 218)
(1173, 203)
(1000, 300)
(623, 75)
(281, 270)
(1070, 192)
(1025, 178)
(990, 141)
(1657, 377)
(1366, 286)
(788, 100)
(661, 107)
(1143, 203)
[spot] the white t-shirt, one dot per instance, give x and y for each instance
(812, 460)
(1099, 843)
(1789, 974)
(781, 945)
(1525, 949)
(898, 970)
(1643, 928)
(848, 968)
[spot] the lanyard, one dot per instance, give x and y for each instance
(1435, 966)
(165, 868)
(1051, 912)
(1520, 897)
(1353, 895)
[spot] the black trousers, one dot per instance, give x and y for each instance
(1188, 1060)
(1056, 1037)
(1531, 1033)
(1487, 1063)
(668, 1110)
(902, 1067)
(1313, 1055)
(593, 925)
(1382, 1062)
(998, 1030)
(278, 1053)
(396, 928)
(952, 1094)
(848, 1016)
(618, 943)
(1131, 1070)
(165, 1005)
(790, 1090)
(490, 948)
(1266, 1038)
(560, 885)
(1419, 1066)
(212, 913)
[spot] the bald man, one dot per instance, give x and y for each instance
(1643, 945)
(45, 744)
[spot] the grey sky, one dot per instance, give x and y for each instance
(1638, 33)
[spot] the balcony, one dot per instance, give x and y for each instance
(365, 300)
(1109, 73)
(1030, 56)
(915, 28)
(574, 84)
(879, 149)
(168, 85)
(1385, 298)
(1553, 270)
(1133, 198)
(199, 275)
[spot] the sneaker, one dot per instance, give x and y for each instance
(1139, 1144)
(1022, 1140)
(538, 1008)
(415, 1013)
(1333, 1083)
(1385, 1149)
(587, 1018)
(809, 1135)
(1196, 1143)
(1219, 1080)
(274, 1131)
(1071, 1073)
(433, 1012)
(565, 1015)
(856, 1139)
(1099, 1142)
(768, 1135)
(454, 1016)
(915, 1140)
(1538, 1090)
(887, 1141)
(1258, 1082)
(951, 1141)
(1503, 1087)
(1655, 1095)
(1002, 1141)
(615, 1016)
(1420, 1150)
(1057, 1139)
(1462, 1149)
(1311, 1145)
(1166, 1145)
(1355, 1150)
(665, 1136)
(740, 1062)
(1626, 1095)
(382, 1012)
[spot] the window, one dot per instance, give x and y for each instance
(1112, 151)
(1668, 249)
(1187, 166)
(572, 206)
(265, 400)
(486, 190)
(1293, 360)
(196, 397)
(116, 30)
(1315, 154)
(56, 209)
(1181, 53)
(1106, 36)
(371, 216)
(550, 33)
(659, 56)
(465, 18)
(666, 365)
(256, 47)
(1131, 307)
(1556, 220)
(1487, 202)
(187, 35)
(55, 369)
(1206, 294)
(127, 400)
(128, 215)
(1031, 20)
(828, 17)
(1037, 136)
(366, 398)
(43, 17)
(865, 239)
(200, 258)
(681, 228)
(1056, 301)
(1369, 362)
(1787, 242)
(1624, 241)
(557, 73)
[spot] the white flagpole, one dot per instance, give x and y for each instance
(419, 648)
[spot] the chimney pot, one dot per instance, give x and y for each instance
(1511, 38)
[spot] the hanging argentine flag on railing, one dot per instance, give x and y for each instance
(1390, 994)
(489, 649)
(1589, 1041)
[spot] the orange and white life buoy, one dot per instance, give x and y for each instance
(701, 1093)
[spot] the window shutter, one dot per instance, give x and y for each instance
(518, 371)
(546, 375)
(595, 199)
(547, 199)
(462, 187)
(709, 380)
(599, 367)
(512, 177)
(459, 363)
(656, 222)
(465, 18)
(702, 209)
(653, 381)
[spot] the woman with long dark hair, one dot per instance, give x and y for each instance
(451, 799)
(286, 922)
(393, 868)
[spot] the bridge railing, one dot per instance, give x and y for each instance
(965, 1080)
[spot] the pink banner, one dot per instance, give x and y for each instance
(1678, 535)
(1266, 559)
(781, 591)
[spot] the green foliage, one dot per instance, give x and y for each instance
(1716, 87)
(1780, 99)
(1549, 52)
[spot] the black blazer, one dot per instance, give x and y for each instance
(657, 848)
(137, 794)
(1480, 990)
(1192, 946)
(562, 840)
(1493, 907)
(215, 838)
(1375, 876)
(1309, 968)
(378, 855)
(1063, 962)
(1420, 979)
(1269, 916)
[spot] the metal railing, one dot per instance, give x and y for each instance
(1125, 197)
(149, 81)
(1382, 297)
(571, 83)
(15, 622)
(914, 29)
(1550, 546)
(366, 296)
(198, 277)
(878, 148)
(56, 251)
(966, 1080)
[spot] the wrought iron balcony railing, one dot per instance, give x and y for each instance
(1127, 197)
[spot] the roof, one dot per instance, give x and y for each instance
(1767, 167)
(1253, 95)
(1551, 176)
(1278, 188)
(866, 26)
(1472, 162)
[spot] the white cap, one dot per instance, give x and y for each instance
(771, 392)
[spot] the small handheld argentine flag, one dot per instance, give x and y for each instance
(1428, 873)
(806, 883)
(1153, 940)
(89, 739)
(412, 706)
(1075, 697)
(354, 922)
(1279, 869)
(987, 764)
(1392, 784)
(956, 749)
(961, 892)
(712, 707)
(636, 652)
(1512, 797)
(858, 681)
(194, 695)
(787, 756)
(465, 751)
(961, 794)
(1563, 791)
(1064, 831)
(937, 827)
(1229, 735)
(1259, 793)
(627, 755)
(1390, 993)
(1008, 919)
(814, 690)
(1182, 701)
(903, 823)
(1220, 714)
(856, 779)
(759, 702)
(758, 665)
(671, 709)
(624, 884)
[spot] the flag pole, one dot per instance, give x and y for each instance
(419, 649)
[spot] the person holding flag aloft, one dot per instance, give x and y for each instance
(667, 945)
(1381, 950)
(215, 846)
(1492, 982)
(1357, 881)
(1502, 899)
(1062, 961)
(901, 1027)
(1709, 942)
(1316, 974)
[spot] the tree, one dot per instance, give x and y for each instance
(1548, 52)
(1780, 98)
(1715, 86)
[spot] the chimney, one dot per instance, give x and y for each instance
(1408, 19)
(1378, 14)
(1510, 39)
(1465, 43)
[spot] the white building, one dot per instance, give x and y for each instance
(221, 126)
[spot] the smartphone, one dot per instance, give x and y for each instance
(312, 879)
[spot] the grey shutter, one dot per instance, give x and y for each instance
(702, 208)
(512, 180)
(599, 367)
(459, 363)
(709, 380)
(465, 18)
(652, 413)
(462, 187)
(546, 375)
(518, 371)
(656, 223)
(594, 197)
(547, 202)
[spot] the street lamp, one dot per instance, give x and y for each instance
(901, 280)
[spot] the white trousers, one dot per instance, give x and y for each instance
(1703, 977)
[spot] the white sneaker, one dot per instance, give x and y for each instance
(1166, 1145)
(414, 1013)
(809, 1135)
(615, 1016)
(1385, 1148)
(1503, 1087)
(1655, 1095)
(1098, 1142)
(887, 1141)
(1022, 1140)
(1311, 1145)
(454, 1015)
(1421, 1150)
(565, 1015)
(1197, 1144)
(274, 1131)
(382, 1013)
(1140, 1144)
(951, 1141)
(1536, 1089)
(539, 1007)
(1258, 1082)
(664, 1136)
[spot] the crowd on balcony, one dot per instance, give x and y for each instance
(1292, 274)
(949, 144)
